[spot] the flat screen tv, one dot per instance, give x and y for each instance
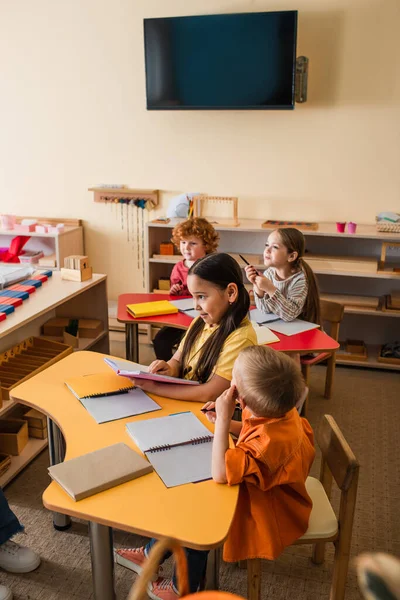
(229, 61)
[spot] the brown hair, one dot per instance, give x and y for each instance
(294, 241)
(198, 228)
(220, 270)
(269, 381)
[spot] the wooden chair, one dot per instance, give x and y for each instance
(339, 462)
(331, 313)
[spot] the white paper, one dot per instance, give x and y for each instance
(119, 406)
(124, 368)
(260, 317)
(292, 327)
(264, 335)
(184, 304)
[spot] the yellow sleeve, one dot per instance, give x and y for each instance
(180, 347)
(239, 339)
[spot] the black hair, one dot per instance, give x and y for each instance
(220, 270)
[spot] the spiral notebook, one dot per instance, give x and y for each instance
(109, 397)
(178, 446)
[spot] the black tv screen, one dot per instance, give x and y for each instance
(230, 61)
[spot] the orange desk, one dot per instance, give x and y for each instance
(308, 341)
(198, 515)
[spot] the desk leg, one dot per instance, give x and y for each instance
(57, 454)
(132, 342)
(101, 549)
(212, 572)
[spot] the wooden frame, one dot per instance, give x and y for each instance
(199, 201)
(124, 195)
(381, 263)
(338, 463)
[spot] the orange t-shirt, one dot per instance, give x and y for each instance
(271, 461)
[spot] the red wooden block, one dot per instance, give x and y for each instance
(10, 301)
(23, 288)
(2, 317)
(40, 277)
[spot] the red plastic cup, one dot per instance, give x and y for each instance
(340, 227)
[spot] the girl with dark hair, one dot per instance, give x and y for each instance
(288, 288)
(214, 339)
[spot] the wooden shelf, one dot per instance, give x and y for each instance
(12, 233)
(83, 344)
(371, 362)
(32, 449)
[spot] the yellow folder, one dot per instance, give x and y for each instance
(151, 309)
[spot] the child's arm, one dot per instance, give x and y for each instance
(209, 410)
(287, 307)
(224, 406)
(252, 274)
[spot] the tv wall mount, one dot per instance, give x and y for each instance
(301, 79)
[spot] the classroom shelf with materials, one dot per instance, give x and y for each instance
(348, 268)
(55, 298)
(54, 245)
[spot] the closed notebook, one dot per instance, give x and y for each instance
(151, 309)
(100, 470)
(98, 384)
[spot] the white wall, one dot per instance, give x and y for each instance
(72, 114)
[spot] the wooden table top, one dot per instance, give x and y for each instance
(198, 515)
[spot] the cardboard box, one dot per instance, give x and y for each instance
(76, 274)
(37, 432)
(90, 328)
(55, 326)
(35, 418)
(13, 436)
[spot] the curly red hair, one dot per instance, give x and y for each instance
(198, 228)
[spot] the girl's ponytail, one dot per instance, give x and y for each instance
(311, 309)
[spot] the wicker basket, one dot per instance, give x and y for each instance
(387, 226)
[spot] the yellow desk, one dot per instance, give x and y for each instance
(198, 515)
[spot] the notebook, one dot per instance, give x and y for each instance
(292, 327)
(151, 309)
(184, 304)
(109, 397)
(129, 369)
(99, 470)
(178, 446)
(264, 335)
(260, 317)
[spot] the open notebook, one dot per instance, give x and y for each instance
(99, 470)
(108, 397)
(178, 446)
(125, 369)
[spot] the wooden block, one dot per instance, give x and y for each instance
(166, 248)
(81, 262)
(71, 340)
(76, 274)
(90, 328)
(48, 261)
(55, 326)
(35, 419)
(13, 436)
(355, 346)
(164, 283)
(37, 432)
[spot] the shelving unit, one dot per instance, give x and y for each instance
(375, 327)
(70, 241)
(56, 298)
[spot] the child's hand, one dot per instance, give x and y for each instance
(161, 367)
(226, 403)
(264, 284)
(145, 385)
(251, 273)
(209, 411)
(175, 289)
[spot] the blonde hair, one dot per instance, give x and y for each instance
(294, 241)
(269, 382)
(198, 228)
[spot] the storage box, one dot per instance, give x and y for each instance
(35, 418)
(76, 261)
(71, 340)
(76, 274)
(55, 326)
(166, 248)
(37, 432)
(13, 436)
(90, 328)
(164, 283)
(355, 346)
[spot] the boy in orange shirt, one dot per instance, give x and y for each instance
(272, 457)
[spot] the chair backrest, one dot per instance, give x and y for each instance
(337, 454)
(332, 312)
